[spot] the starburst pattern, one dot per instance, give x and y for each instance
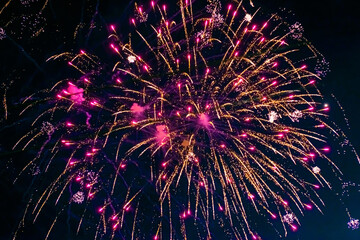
(316, 170)
(289, 218)
(296, 31)
(322, 67)
(194, 128)
(78, 197)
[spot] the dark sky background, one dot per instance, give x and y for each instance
(332, 26)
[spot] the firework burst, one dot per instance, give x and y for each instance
(210, 121)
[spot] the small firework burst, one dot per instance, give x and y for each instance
(213, 6)
(353, 223)
(296, 116)
(247, 17)
(131, 59)
(32, 25)
(217, 19)
(91, 177)
(296, 31)
(348, 187)
(47, 128)
(140, 15)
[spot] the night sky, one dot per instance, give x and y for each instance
(32, 37)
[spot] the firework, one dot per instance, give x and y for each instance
(353, 224)
(209, 122)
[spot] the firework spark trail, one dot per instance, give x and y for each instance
(200, 118)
